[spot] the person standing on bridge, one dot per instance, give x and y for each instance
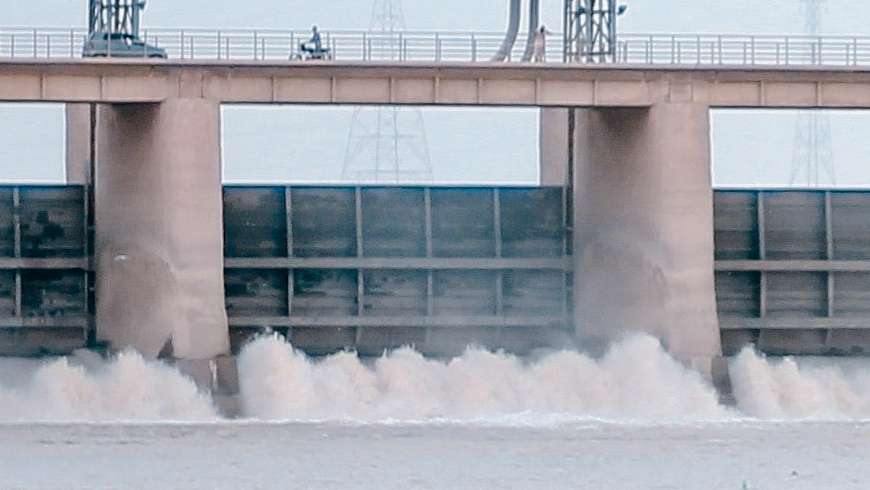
(540, 44)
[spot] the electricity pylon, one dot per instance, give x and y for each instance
(115, 17)
(387, 144)
(590, 30)
(813, 158)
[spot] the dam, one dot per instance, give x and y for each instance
(578, 290)
(617, 238)
(624, 233)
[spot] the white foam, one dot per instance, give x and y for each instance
(788, 388)
(636, 379)
(125, 388)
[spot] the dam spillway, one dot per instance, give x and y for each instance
(371, 268)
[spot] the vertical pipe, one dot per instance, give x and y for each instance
(534, 22)
(513, 30)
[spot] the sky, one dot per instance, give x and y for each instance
(750, 148)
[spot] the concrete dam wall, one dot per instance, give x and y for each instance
(372, 268)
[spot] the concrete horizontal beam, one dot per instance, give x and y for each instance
(399, 263)
(43, 322)
(793, 265)
(474, 84)
(399, 321)
(794, 323)
(44, 264)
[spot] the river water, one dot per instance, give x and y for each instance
(632, 419)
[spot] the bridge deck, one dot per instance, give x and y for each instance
(464, 84)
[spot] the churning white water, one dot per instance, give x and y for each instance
(85, 388)
(636, 380)
(812, 388)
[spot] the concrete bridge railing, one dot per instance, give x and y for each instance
(427, 46)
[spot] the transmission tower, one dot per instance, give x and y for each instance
(115, 17)
(813, 159)
(387, 144)
(590, 30)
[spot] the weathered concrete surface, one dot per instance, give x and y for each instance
(442, 83)
(78, 143)
(644, 228)
(553, 140)
(159, 229)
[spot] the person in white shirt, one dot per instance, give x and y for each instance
(540, 45)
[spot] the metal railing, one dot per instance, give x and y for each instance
(421, 46)
(731, 49)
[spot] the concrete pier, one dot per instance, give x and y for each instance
(78, 144)
(159, 229)
(643, 247)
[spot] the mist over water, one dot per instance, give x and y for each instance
(635, 381)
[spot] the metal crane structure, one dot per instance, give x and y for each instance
(813, 157)
(387, 145)
(591, 30)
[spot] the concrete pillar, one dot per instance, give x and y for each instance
(78, 144)
(159, 229)
(553, 139)
(644, 228)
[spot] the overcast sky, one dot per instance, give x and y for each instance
(756, 16)
(749, 148)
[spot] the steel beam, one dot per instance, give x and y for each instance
(400, 321)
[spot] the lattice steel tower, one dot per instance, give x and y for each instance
(590, 30)
(387, 144)
(115, 16)
(813, 158)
